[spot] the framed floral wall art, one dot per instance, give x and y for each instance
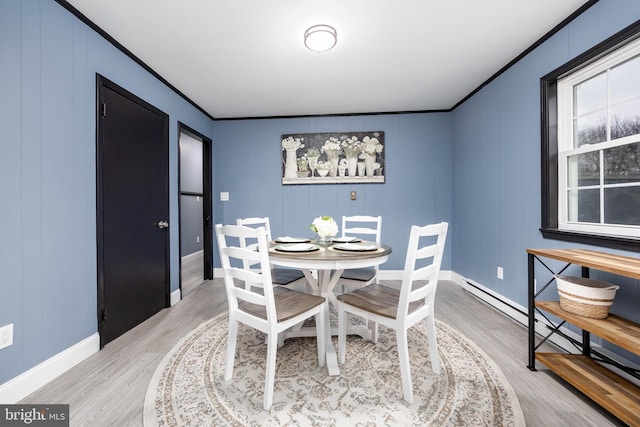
(333, 158)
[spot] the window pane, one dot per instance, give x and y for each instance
(625, 119)
(584, 206)
(622, 164)
(625, 80)
(622, 205)
(590, 95)
(583, 169)
(590, 129)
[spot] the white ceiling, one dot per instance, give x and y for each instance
(246, 58)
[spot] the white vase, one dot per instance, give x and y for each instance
(333, 161)
(352, 166)
(369, 161)
(291, 164)
(361, 169)
(324, 241)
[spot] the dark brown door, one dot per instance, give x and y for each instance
(133, 210)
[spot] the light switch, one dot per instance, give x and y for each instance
(224, 196)
(354, 196)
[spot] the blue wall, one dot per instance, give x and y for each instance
(477, 167)
(248, 157)
(496, 163)
(47, 174)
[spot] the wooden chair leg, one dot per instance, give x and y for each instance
(405, 369)
(231, 349)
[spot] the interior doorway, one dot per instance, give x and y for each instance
(196, 238)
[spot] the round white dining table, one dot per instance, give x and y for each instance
(329, 263)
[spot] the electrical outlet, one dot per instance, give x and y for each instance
(197, 239)
(6, 336)
(500, 273)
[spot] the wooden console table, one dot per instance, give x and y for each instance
(614, 393)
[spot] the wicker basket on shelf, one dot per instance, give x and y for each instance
(586, 297)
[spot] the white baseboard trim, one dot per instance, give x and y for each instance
(191, 256)
(520, 314)
(510, 308)
(176, 296)
(26, 383)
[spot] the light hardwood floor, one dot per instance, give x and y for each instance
(108, 389)
(192, 272)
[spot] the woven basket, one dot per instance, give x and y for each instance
(586, 297)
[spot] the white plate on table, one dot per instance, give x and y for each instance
(297, 247)
(346, 240)
(287, 239)
(356, 247)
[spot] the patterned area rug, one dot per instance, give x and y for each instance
(187, 388)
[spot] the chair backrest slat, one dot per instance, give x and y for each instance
(253, 222)
(361, 226)
(429, 272)
(258, 285)
(249, 296)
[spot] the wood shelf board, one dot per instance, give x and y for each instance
(615, 329)
(611, 263)
(609, 390)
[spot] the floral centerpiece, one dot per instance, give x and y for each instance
(325, 227)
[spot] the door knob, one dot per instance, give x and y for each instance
(163, 224)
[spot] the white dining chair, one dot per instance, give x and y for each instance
(368, 228)
(262, 306)
(401, 309)
(279, 275)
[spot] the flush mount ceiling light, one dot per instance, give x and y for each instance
(320, 38)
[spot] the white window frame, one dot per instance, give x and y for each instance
(565, 144)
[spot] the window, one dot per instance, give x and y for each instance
(591, 146)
